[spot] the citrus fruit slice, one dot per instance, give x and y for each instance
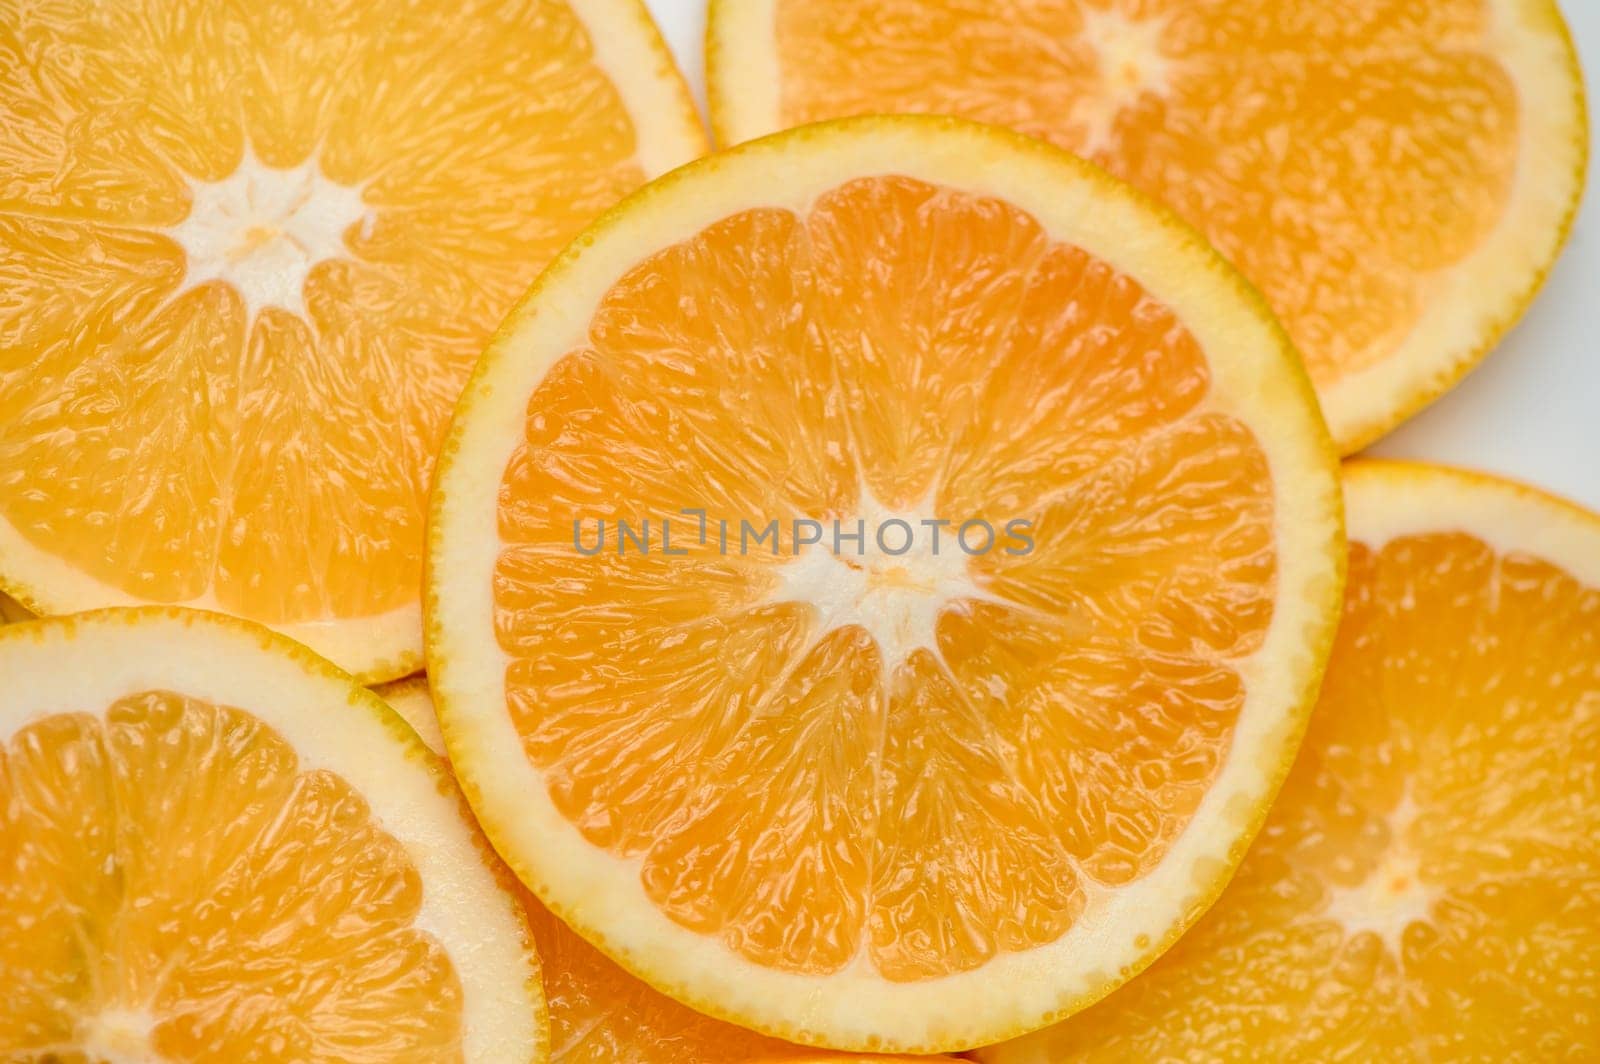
(864, 779)
(599, 1014)
(1427, 887)
(215, 846)
(249, 254)
(1396, 178)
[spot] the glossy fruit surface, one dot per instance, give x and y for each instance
(1427, 886)
(249, 253)
(1395, 177)
(215, 846)
(867, 794)
(600, 1014)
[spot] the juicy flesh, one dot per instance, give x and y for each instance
(1427, 886)
(248, 253)
(783, 781)
(599, 1013)
(1262, 122)
(174, 887)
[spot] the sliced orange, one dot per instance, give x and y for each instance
(215, 846)
(599, 1014)
(1397, 178)
(249, 253)
(1427, 887)
(859, 798)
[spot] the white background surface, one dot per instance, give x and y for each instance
(1532, 409)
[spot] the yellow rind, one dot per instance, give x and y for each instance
(411, 699)
(629, 47)
(1509, 515)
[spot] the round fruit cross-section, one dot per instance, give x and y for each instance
(1396, 177)
(1427, 887)
(878, 579)
(215, 846)
(249, 253)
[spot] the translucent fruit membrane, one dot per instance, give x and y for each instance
(164, 431)
(175, 886)
(1262, 122)
(789, 778)
(1427, 886)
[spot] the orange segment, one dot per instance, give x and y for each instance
(1426, 886)
(829, 787)
(184, 878)
(1395, 178)
(945, 896)
(909, 279)
(248, 266)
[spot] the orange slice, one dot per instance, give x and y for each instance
(249, 253)
(599, 1014)
(215, 846)
(902, 798)
(1396, 178)
(1427, 887)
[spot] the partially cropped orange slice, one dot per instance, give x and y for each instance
(599, 1014)
(216, 847)
(880, 793)
(1395, 177)
(249, 253)
(1427, 887)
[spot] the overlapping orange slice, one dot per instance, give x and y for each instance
(214, 846)
(248, 253)
(862, 793)
(1427, 886)
(1396, 177)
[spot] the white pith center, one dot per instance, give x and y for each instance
(262, 230)
(118, 1035)
(1131, 65)
(1392, 897)
(897, 598)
